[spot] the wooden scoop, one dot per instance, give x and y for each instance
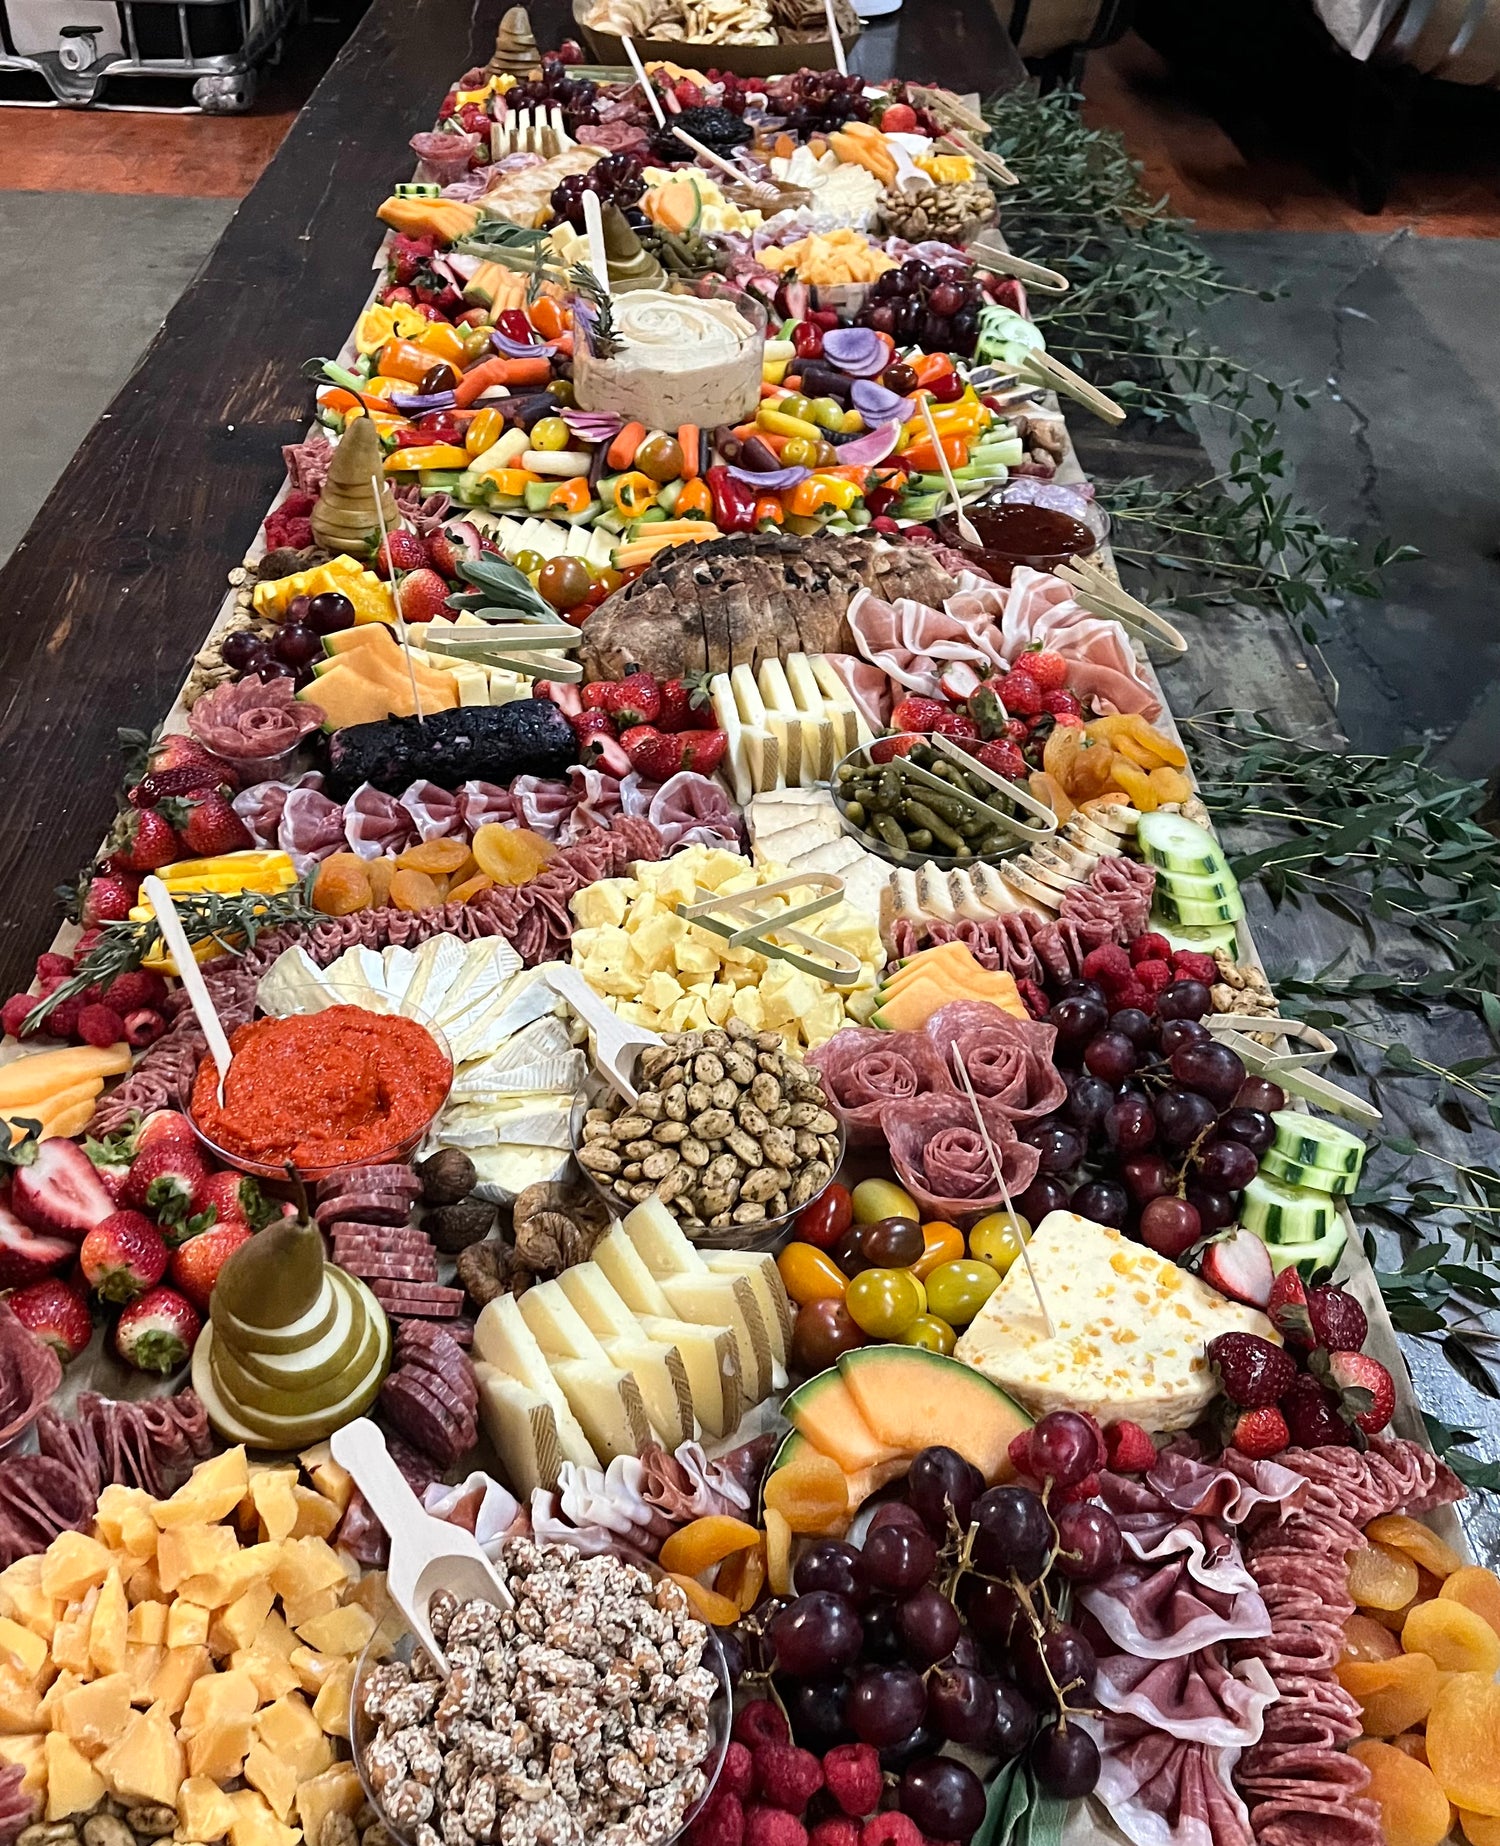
(616, 1045)
(427, 1554)
(190, 974)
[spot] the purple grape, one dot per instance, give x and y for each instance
(895, 1513)
(940, 1486)
(815, 1709)
(329, 613)
(1136, 1025)
(930, 1626)
(829, 1565)
(1257, 1093)
(1130, 1124)
(1062, 1652)
(1088, 1099)
(1146, 1177)
(885, 1704)
(961, 1703)
(1184, 1000)
(1061, 1147)
(1065, 1762)
(1089, 1541)
(1229, 1165)
(1101, 1201)
(1213, 1070)
(297, 645)
(1182, 1115)
(1014, 1533)
(992, 1611)
(945, 1798)
(1014, 1723)
(1088, 990)
(881, 1617)
(1213, 1205)
(1044, 1194)
(1111, 1056)
(1077, 1020)
(816, 1634)
(1170, 1226)
(1062, 1448)
(1252, 1128)
(1173, 1034)
(244, 651)
(897, 1559)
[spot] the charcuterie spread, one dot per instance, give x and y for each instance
(737, 1277)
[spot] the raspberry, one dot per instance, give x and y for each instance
(100, 1026)
(1110, 966)
(1150, 947)
(837, 1830)
(760, 1722)
(773, 1827)
(1153, 976)
(737, 1775)
(1020, 693)
(62, 1021)
(1131, 1450)
(128, 993)
(786, 1777)
(1131, 993)
(53, 965)
(722, 1822)
(1189, 965)
(1050, 671)
(891, 1829)
(852, 1772)
(1085, 1489)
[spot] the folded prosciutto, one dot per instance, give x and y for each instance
(941, 1159)
(1158, 1611)
(863, 1070)
(1009, 1060)
(1164, 1791)
(1193, 1696)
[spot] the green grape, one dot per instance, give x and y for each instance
(885, 1302)
(930, 1332)
(997, 1239)
(957, 1291)
(550, 434)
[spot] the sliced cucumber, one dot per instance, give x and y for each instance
(1199, 887)
(1286, 1214)
(1297, 1173)
(1203, 938)
(1180, 845)
(1311, 1259)
(1191, 910)
(1310, 1141)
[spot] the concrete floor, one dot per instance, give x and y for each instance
(100, 273)
(1398, 336)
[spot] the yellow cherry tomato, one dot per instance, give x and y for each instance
(795, 406)
(957, 1291)
(997, 1239)
(798, 452)
(550, 434)
(873, 1199)
(942, 1243)
(930, 1332)
(528, 562)
(809, 1275)
(885, 1302)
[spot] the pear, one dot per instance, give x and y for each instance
(515, 52)
(345, 518)
(631, 265)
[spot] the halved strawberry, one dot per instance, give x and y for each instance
(26, 1256)
(58, 1192)
(158, 1332)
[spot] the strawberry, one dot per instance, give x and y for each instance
(1337, 1318)
(1062, 703)
(157, 1332)
(208, 825)
(1251, 1371)
(196, 1264)
(1020, 694)
(111, 1159)
(234, 1199)
(636, 699)
(402, 551)
(165, 1177)
(1005, 759)
(163, 1126)
(956, 724)
(122, 1255)
(57, 1191)
(1287, 1307)
(443, 555)
(918, 714)
(177, 748)
(595, 693)
(655, 754)
(703, 751)
(1312, 1415)
(884, 748)
(25, 1255)
(685, 706)
(143, 840)
(1050, 671)
(1129, 1447)
(1355, 1376)
(56, 1312)
(1259, 1433)
(423, 595)
(591, 724)
(109, 898)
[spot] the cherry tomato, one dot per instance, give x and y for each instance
(528, 562)
(824, 1329)
(808, 340)
(824, 1222)
(997, 1239)
(946, 388)
(928, 1331)
(659, 457)
(608, 579)
(890, 1243)
(882, 1198)
(799, 452)
(957, 1291)
(563, 582)
(809, 1275)
(885, 1302)
(899, 378)
(515, 326)
(794, 406)
(828, 413)
(550, 434)
(941, 1243)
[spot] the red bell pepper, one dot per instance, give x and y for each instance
(733, 501)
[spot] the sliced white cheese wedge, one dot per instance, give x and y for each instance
(625, 1268)
(656, 1366)
(504, 1173)
(762, 748)
(906, 902)
(736, 752)
(664, 1246)
(727, 1301)
(933, 893)
(788, 844)
(710, 1356)
(841, 703)
(964, 898)
(820, 725)
(523, 1428)
(783, 720)
(760, 1271)
(608, 1405)
(502, 1339)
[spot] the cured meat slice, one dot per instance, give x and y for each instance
(373, 1207)
(387, 1178)
(1193, 1696)
(311, 827)
(693, 810)
(17, 1809)
(424, 1419)
(863, 1070)
(1160, 1789)
(1009, 1060)
(1157, 1612)
(941, 1158)
(30, 1371)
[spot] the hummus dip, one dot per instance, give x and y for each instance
(682, 359)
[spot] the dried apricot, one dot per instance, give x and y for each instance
(1420, 1543)
(439, 857)
(380, 873)
(702, 1543)
(778, 1553)
(1413, 1743)
(1477, 1589)
(742, 1575)
(511, 855)
(1090, 771)
(471, 887)
(1135, 783)
(1060, 752)
(1367, 1640)
(1394, 1694)
(809, 1492)
(1458, 1639)
(414, 891)
(1480, 1829)
(708, 1605)
(342, 886)
(1380, 1578)
(1414, 1810)
(1171, 784)
(1049, 789)
(1462, 1728)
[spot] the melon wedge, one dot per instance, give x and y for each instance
(956, 954)
(825, 1412)
(44, 1074)
(912, 1399)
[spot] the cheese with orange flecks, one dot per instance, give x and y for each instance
(1130, 1329)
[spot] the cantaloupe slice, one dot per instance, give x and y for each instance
(954, 955)
(911, 1398)
(349, 694)
(68, 1121)
(65, 1103)
(825, 1412)
(41, 1075)
(677, 206)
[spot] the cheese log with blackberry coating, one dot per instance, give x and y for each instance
(481, 743)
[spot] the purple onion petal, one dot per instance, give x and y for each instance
(436, 400)
(593, 425)
(877, 405)
(860, 351)
(772, 482)
(521, 349)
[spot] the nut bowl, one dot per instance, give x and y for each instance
(392, 1640)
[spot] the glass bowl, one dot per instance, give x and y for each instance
(1029, 521)
(859, 758)
(767, 1236)
(392, 1640)
(395, 1154)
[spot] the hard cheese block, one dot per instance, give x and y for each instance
(1131, 1328)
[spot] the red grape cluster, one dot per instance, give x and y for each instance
(1162, 1127)
(296, 644)
(577, 97)
(815, 102)
(616, 178)
(870, 1650)
(938, 309)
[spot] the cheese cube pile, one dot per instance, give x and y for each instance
(1131, 1328)
(660, 971)
(189, 1644)
(515, 1070)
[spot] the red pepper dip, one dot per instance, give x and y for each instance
(328, 1089)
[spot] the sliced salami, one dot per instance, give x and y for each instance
(863, 1070)
(373, 1207)
(1009, 1060)
(941, 1159)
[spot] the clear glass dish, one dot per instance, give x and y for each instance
(859, 758)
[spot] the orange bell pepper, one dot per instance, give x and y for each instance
(928, 366)
(922, 457)
(769, 510)
(443, 341)
(571, 496)
(694, 502)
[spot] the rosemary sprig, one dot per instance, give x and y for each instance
(603, 341)
(233, 921)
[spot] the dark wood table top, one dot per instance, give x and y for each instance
(116, 583)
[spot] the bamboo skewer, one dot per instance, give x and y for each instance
(1101, 595)
(995, 1163)
(967, 530)
(768, 191)
(645, 82)
(401, 634)
(840, 60)
(593, 228)
(190, 974)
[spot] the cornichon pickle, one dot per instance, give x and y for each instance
(919, 839)
(922, 816)
(890, 830)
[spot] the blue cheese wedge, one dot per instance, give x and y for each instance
(1130, 1329)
